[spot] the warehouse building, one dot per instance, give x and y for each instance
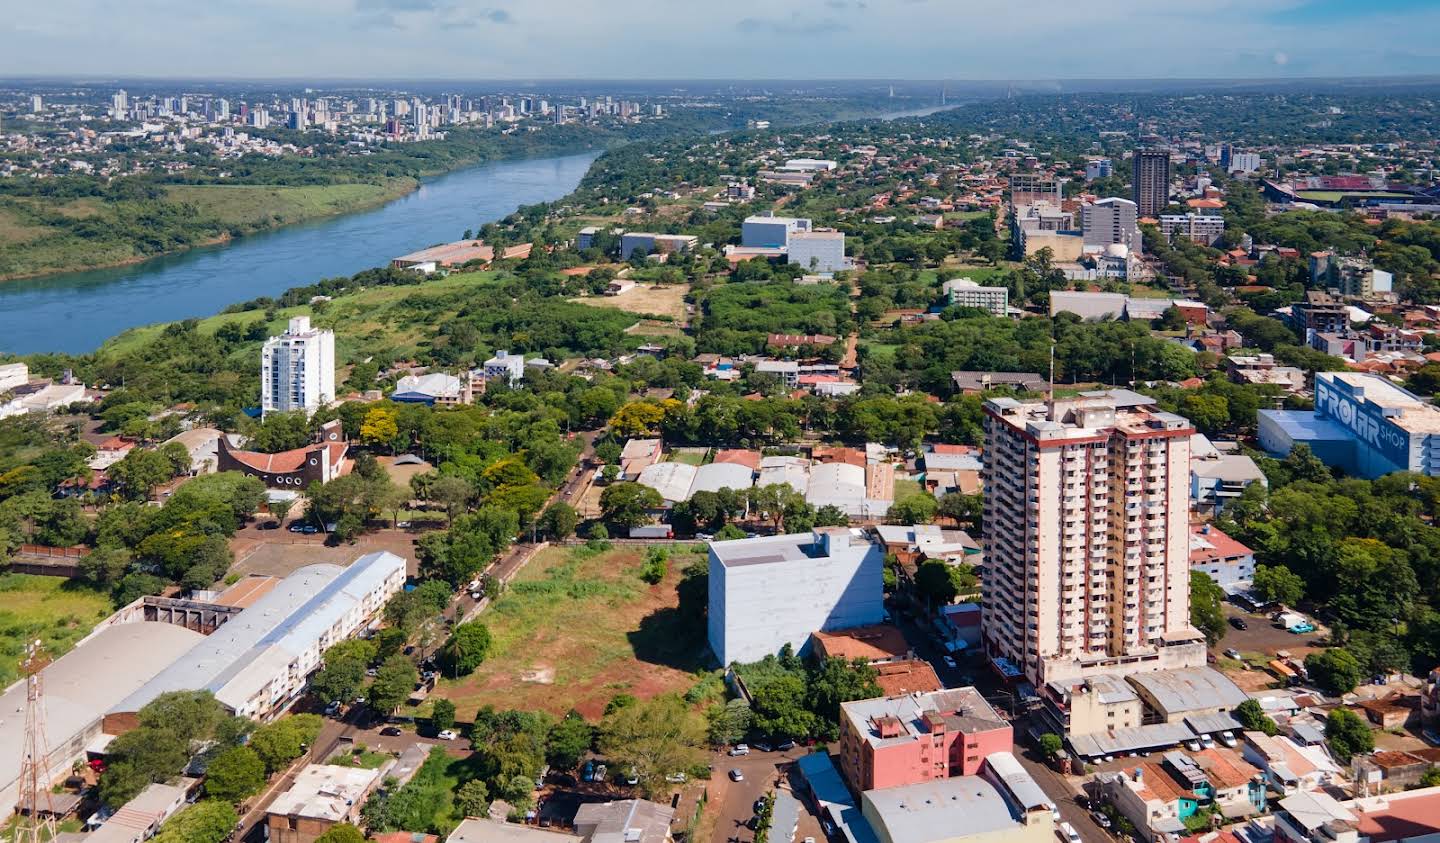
(80, 687)
(257, 663)
(776, 590)
(1362, 424)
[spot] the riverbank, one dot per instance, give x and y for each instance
(75, 312)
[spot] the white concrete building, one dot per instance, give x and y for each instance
(13, 375)
(818, 251)
(963, 292)
(258, 663)
(1199, 228)
(297, 369)
(775, 590)
(770, 232)
(505, 366)
(1087, 539)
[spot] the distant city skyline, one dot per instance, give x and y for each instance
(742, 39)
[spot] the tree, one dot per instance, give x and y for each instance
(569, 739)
(394, 680)
(638, 418)
(473, 799)
(1278, 584)
(1347, 734)
(831, 515)
(729, 722)
(188, 715)
(442, 714)
(1051, 746)
(833, 681)
(1254, 719)
(962, 508)
(380, 427)
(344, 670)
(468, 646)
(915, 509)
(234, 775)
(778, 703)
(628, 504)
(284, 740)
(341, 833)
(210, 821)
(1207, 600)
(1335, 671)
(559, 521)
(774, 501)
(1430, 778)
(653, 738)
(140, 472)
(656, 566)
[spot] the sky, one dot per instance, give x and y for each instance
(715, 39)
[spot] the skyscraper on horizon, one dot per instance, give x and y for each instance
(1151, 181)
(1087, 539)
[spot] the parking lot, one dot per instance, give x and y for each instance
(733, 803)
(1262, 637)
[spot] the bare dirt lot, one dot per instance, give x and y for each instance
(656, 299)
(278, 553)
(577, 627)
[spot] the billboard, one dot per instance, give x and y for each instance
(1365, 422)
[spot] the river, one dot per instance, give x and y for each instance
(76, 312)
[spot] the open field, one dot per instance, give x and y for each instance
(382, 316)
(48, 608)
(579, 626)
(264, 206)
(907, 488)
(655, 299)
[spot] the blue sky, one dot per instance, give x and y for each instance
(922, 39)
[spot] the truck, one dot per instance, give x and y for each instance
(652, 531)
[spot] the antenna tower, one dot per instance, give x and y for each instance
(38, 826)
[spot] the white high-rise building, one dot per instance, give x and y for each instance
(119, 104)
(37, 104)
(1087, 538)
(297, 369)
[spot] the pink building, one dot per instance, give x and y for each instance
(895, 741)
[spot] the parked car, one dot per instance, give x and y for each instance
(332, 709)
(949, 662)
(1233, 653)
(1207, 741)
(587, 773)
(1432, 736)
(391, 731)
(447, 735)
(739, 749)
(270, 525)
(764, 746)
(600, 771)
(1100, 819)
(1083, 801)
(675, 778)
(1302, 628)
(297, 527)
(759, 805)
(1239, 623)
(632, 778)
(1192, 745)
(1228, 738)
(786, 746)
(1068, 833)
(705, 537)
(736, 775)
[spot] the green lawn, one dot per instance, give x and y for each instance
(907, 488)
(689, 456)
(45, 608)
(264, 205)
(360, 757)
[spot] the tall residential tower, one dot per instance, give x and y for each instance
(297, 369)
(1087, 537)
(1151, 181)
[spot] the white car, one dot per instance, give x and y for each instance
(1068, 833)
(1228, 738)
(1192, 745)
(739, 749)
(736, 775)
(447, 735)
(1207, 741)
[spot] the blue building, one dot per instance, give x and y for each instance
(1362, 424)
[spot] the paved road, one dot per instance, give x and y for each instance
(734, 801)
